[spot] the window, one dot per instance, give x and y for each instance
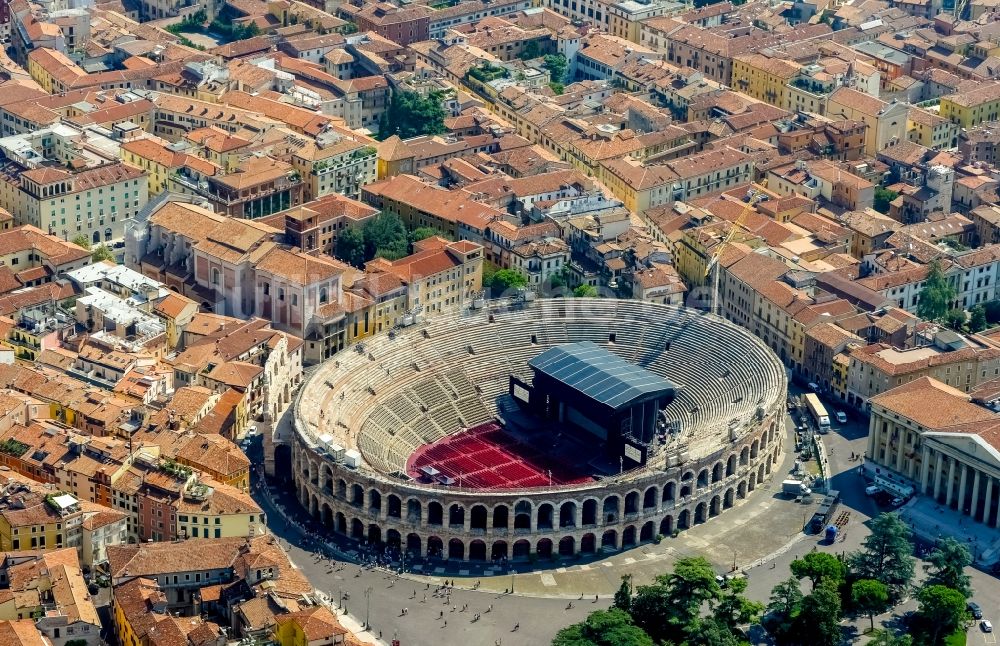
(215, 276)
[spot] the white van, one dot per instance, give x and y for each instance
(871, 490)
(841, 417)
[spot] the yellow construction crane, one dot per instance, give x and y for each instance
(754, 195)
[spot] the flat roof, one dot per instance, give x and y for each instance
(599, 374)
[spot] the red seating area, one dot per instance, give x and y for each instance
(485, 457)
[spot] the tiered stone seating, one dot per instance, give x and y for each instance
(721, 371)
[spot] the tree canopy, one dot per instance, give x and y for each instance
(886, 554)
(351, 246)
(936, 296)
(81, 241)
(385, 237)
(941, 610)
(585, 291)
(504, 280)
(883, 197)
(819, 566)
(410, 115)
(611, 627)
(870, 598)
(818, 621)
(101, 253)
(946, 566)
(977, 318)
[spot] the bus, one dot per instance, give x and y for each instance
(818, 412)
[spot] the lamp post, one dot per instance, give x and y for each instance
(368, 611)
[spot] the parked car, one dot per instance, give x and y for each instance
(975, 610)
(986, 626)
(841, 417)
(871, 490)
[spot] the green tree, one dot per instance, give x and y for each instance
(623, 596)
(710, 631)
(733, 609)
(385, 236)
(818, 621)
(936, 295)
(870, 598)
(818, 566)
(557, 88)
(81, 241)
(992, 311)
(351, 246)
(669, 607)
(977, 318)
(410, 115)
(531, 50)
(955, 319)
(556, 64)
(102, 253)
(946, 566)
(603, 628)
(585, 291)
(783, 607)
(883, 197)
(504, 280)
(886, 555)
(885, 637)
(941, 610)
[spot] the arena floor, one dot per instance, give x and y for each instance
(487, 457)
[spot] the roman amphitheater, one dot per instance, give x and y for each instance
(405, 441)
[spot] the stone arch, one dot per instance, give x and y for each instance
(717, 472)
(667, 525)
(456, 516)
(760, 473)
(715, 506)
(544, 520)
(435, 513)
(477, 520)
(342, 489)
(326, 513)
(729, 499)
(741, 490)
(767, 464)
(588, 544)
(684, 519)
(685, 490)
(413, 543)
(374, 534)
(414, 511)
(435, 546)
(745, 456)
(375, 501)
(498, 550)
(501, 518)
(669, 492)
(632, 502)
(393, 539)
(477, 550)
(341, 523)
(456, 549)
(589, 512)
(522, 514)
(647, 531)
(393, 506)
(314, 507)
(610, 509)
(357, 529)
(703, 478)
(752, 481)
(544, 548)
(649, 498)
(357, 495)
(754, 449)
(521, 549)
(327, 479)
(609, 539)
(700, 513)
(731, 465)
(567, 514)
(628, 536)
(567, 546)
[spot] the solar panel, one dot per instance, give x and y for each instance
(601, 375)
